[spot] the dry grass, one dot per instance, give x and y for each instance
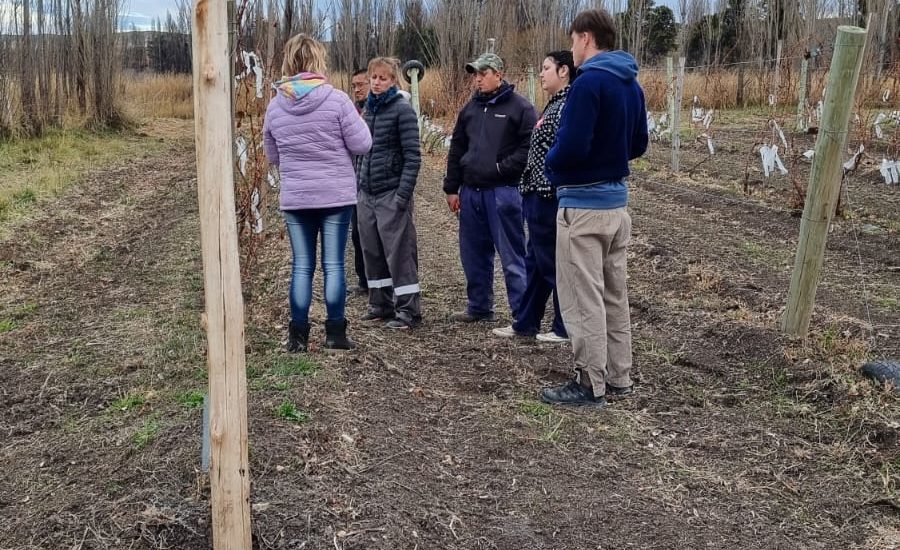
(32, 170)
(718, 89)
(169, 95)
(149, 95)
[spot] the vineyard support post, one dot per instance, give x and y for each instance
(229, 470)
(676, 116)
(824, 179)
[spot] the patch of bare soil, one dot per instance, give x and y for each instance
(735, 438)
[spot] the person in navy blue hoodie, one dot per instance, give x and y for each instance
(603, 127)
(488, 152)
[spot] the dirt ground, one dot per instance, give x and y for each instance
(736, 437)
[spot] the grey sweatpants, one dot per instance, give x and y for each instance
(388, 237)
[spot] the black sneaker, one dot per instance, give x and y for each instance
(400, 324)
(466, 317)
(572, 393)
(616, 391)
(377, 316)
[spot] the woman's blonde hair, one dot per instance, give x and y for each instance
(392, 63)
(303, 53)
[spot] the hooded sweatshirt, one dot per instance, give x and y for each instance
(603, 126)
(311, 132)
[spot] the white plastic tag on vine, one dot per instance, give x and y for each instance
(241, 146)
(850, 165)
(890, 170)
(254, 210)
(709, 143)
(879, 132)
(252, 66)
(651, 123)
(778, 131)
(771, 160)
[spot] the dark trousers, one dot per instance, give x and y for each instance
(540, 266)
(388, 237)
(491, 220)
(358, 263)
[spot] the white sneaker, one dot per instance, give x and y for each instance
(551, 337)
(504, 332)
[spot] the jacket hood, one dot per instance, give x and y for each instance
(617, 62)
(303, 93)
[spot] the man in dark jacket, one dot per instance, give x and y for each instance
(359, 86)
(487, 155)
(603, 127)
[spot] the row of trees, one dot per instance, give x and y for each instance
(58, 55)
(63, 51)
(445, 32)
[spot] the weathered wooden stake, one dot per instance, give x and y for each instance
(676, 117)
(229, 472)
(414, 94)
(776, 82)
(670, 89)
(531, 91)
(824, 179)
(802, 119)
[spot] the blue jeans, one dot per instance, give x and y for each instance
(304, 227)
(491, 220)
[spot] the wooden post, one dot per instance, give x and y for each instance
(414, 94)
(531, 91)
(670, 89)
(802, 122)
(229, 473)
(776, 82)
(824, 178)
(676, 117)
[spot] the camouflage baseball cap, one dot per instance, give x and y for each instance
(485, 61)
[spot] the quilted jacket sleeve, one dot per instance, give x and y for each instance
(269, 145)
(356, 133)
(409, 145)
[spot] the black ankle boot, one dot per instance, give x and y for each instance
(298, 337)
(336, 336)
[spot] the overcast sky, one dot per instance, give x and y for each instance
(143, 12)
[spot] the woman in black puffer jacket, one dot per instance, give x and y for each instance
(387, 179)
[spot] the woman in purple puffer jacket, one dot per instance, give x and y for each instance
(311, 133)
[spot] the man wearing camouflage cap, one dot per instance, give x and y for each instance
(487, 156)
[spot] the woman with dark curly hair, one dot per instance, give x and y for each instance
(539, 207)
